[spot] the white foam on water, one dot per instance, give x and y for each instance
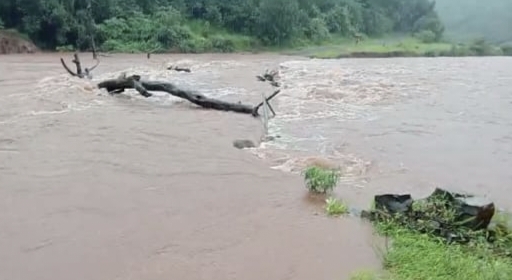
(315, 95)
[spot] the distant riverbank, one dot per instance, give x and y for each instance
(13, 42)
(404, 47)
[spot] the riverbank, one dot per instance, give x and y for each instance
(403, 47)
(217, 40)
(13, 42)
(417, 251)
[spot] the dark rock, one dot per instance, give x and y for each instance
(475, 212)
(471, 211)
(443, 213)
(394, 203)
(243, 144)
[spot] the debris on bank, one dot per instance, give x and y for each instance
(452, 216)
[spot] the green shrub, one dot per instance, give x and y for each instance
(506, 50)
(222, 44)
(481, 47)
(335, 207)
(66, 48)
(426, 36)
(320, 180)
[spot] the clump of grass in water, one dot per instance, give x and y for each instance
(365, 275)
(320, 180)
(335, 207)
(416, 253)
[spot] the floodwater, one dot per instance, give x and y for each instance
(98, 187)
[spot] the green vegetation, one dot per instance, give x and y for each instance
(401, 47)
(421, 256)
(320, 180)
(366, 275)
(335, 207)
(394, 46)
(214, 25)
(417, 252)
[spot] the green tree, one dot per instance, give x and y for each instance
(278, 21)
(188, 25)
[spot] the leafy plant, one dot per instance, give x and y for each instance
(320, 180)
(335, 207)
(365, 275)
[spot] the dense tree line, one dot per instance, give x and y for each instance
(200, 25)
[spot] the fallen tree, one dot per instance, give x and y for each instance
(270, 77)
(79, 72)
(118, 85)
(179, 69)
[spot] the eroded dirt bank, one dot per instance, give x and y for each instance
(12, 43)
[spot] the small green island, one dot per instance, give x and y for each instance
(313, 28)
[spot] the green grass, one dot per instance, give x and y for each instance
(397, 46)
(204, 31)
(392, 46)
(335, 207)
(320, 180)
(14, 33)
(420, 256)
(423, 256)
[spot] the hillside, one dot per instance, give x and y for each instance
(466, 20)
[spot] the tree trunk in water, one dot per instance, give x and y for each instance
(115, 86)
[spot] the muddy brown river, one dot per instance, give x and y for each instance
(97, 187)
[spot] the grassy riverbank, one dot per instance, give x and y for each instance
(412, 255)
(416, 249)
(399, 47)
(218, 40)
(204, 38)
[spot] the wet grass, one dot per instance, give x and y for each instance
(399, 46)
(320, 180)
(388, 47)
(335, 207)
(424, 256)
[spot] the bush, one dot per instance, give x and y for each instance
(320, 180)
(426, 36)
(66, 48)
(506, 50)
(481, 48)
(457, 50)
(222, 44)
(317, 30)
(335, 207)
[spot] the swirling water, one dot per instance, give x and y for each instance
(101, 187)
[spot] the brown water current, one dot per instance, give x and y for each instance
(97, 187)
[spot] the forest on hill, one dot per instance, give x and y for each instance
(212, 25)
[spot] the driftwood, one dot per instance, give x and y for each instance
(270, 77)
(76, 60)
(178, 69)
(79, 73)
(116, 86)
